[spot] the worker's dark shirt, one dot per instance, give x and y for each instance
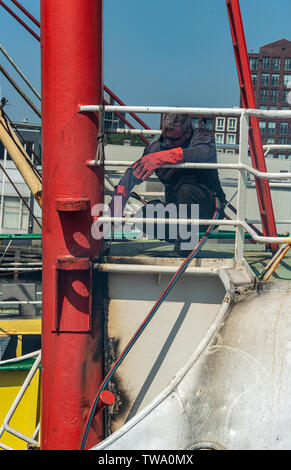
(199, 148)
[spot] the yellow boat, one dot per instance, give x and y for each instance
(19, 387)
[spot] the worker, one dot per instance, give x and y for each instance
(178, 143)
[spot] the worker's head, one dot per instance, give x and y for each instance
(177, 128)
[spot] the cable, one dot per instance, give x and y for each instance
(142, 327)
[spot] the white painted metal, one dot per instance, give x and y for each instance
(151, 269)
(187, 110)
(172, 335)
(219, 395)
(20, 269)
(17, 359)
(20, 302)
(225, 166)
(242, 187)
(234, 223)
(164, 109)
(5, 426)
(138, 131)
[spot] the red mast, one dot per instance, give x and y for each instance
(72, 74)
(248, 101)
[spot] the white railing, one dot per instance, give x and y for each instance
(242, 166)
(5, 426)
(188, 110)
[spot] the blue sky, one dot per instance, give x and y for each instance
(156, 52)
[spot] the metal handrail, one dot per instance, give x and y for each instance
(189, 110)
(235, 223)
(225, 166)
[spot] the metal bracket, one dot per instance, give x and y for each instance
(69, 204)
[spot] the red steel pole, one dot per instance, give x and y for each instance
(72, 74)
(248, 101)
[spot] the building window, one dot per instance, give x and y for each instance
(284, 96)
(285, 108)
(276, 63)
(253, 63)
(266, 63)
(230, 139)
(287, 79)
(283, 128)
(282, 156)
(272, 108)
(207, 124)
(195, 122)
(29, 147)
(262, 125)
(263, 94)
(288, 64)
(220, 124)
(283, 140)
(274, 95)
(275, 79)
(270, 155)
(230, 152)
(219, 150)
(265, 79)
(231, 124)
(219, 138)
(15, 213)
(270, 140)
(271, 127)
(254, 79)
(263, 107)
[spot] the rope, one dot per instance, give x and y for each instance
(100, 154)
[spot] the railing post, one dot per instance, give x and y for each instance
(242, 187)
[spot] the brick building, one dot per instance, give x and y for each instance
(225, 128)
(271, 74)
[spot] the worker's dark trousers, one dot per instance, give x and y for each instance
(187, 194)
